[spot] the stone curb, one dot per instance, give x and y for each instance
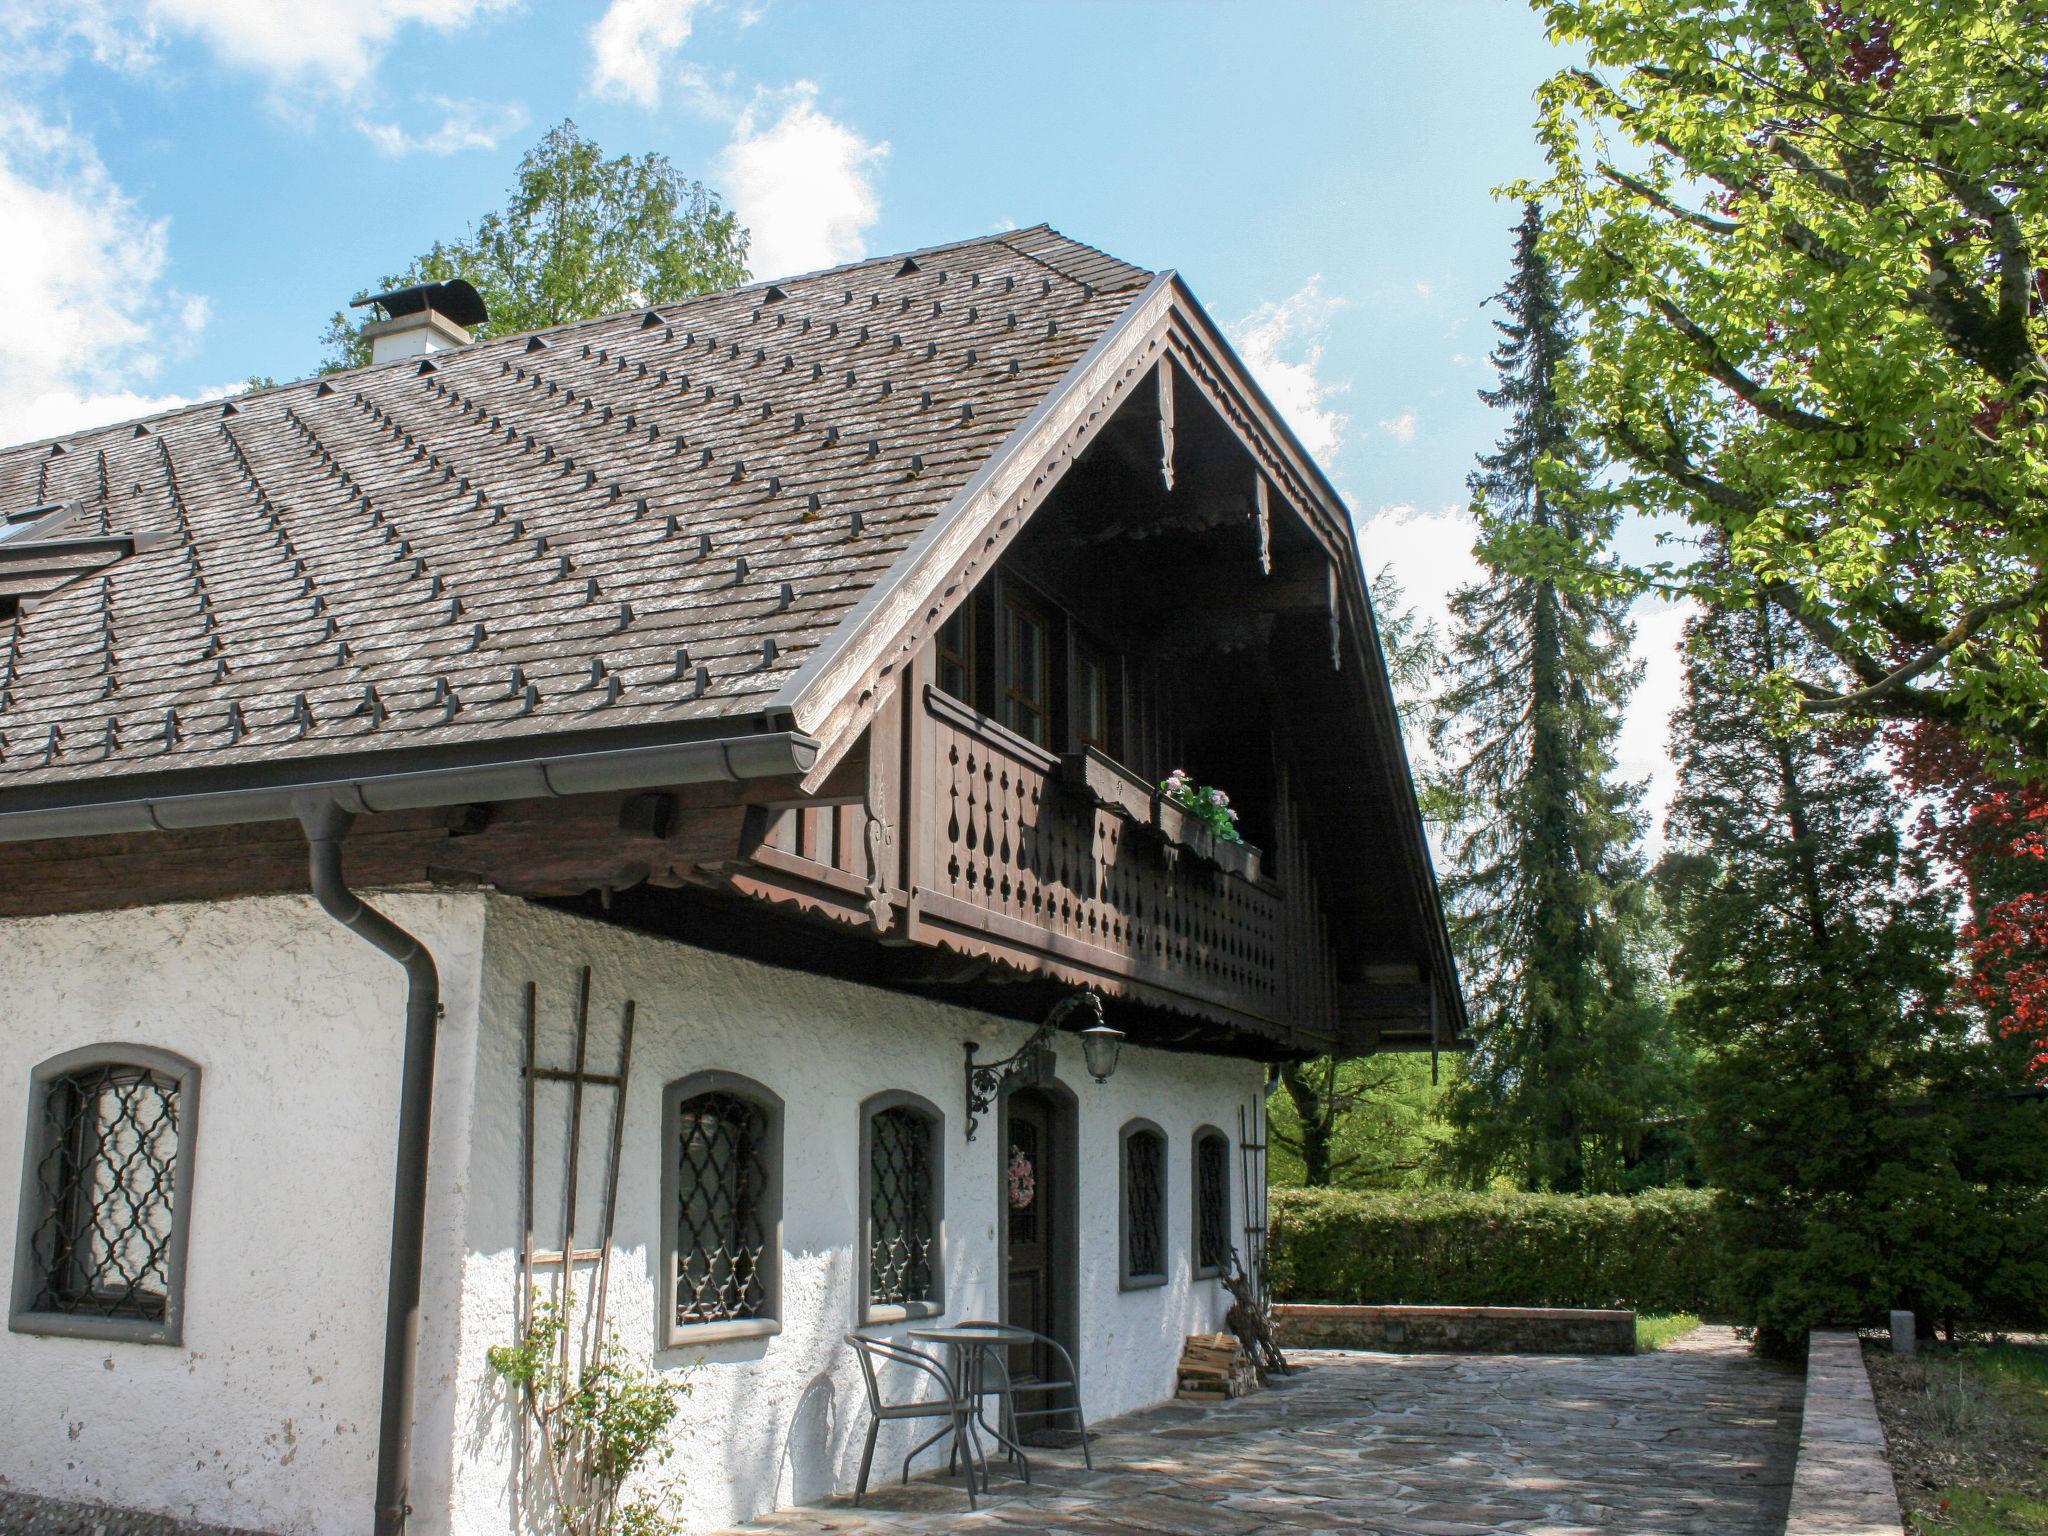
(1459, 1330)
(1843, 1485)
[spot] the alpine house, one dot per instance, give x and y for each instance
(618, 808)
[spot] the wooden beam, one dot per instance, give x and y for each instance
(1262, 515)
(1165, 376)
(1374, 1016)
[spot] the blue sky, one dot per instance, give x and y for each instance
(205, 181)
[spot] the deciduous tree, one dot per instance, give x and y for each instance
(1363, 1123)
(1808, 236)
(579, 235)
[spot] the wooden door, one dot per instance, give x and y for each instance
(1030, 1173)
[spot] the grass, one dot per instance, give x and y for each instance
(1974, 1512)
(1656, 1329)
(1967, 1434)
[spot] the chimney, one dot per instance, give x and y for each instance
(428, 317)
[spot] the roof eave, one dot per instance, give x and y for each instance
(420, 781)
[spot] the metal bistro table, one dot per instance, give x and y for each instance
(969, 1353)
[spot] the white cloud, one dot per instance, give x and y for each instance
(633, 41)
(1643, 750)
(465, 124)
(1401, 429)
(1424, 291)
(37, 35)
(802, 183)
(331, 44)
(1430, 552)
(1281, 343)
(90, 318)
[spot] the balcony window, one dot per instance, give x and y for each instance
(1027, 691)
(1098, 711)
(956, 652)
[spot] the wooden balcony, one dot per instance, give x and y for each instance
(1063, 867)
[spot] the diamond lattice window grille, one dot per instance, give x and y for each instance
(1212, 1201)
(1145, 1190)
(107, 1187)
(900, 1217)
(721, 1194)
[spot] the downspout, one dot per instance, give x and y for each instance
(326, 825)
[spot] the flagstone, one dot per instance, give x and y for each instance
(1694, 1440)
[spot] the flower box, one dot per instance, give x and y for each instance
(1182, 828)
(1239, 859)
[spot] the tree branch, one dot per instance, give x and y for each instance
(1826, 631)
(1676, 466)
(1830, 181)
(1960, 634)
(1651, 195)
(1747, 388)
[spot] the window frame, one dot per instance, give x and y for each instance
(1127, 1278)
(967, 658)
(23, 1315)
(1086, 652)
(1015, 602)
(1207, 1271)
(675, 1335)
(866, 1309)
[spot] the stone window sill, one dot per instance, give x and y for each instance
(904, 1312)
(689, 1335)
(1141, 1282)
(119, 1330)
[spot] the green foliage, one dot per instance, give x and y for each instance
(1545, 896)
(1860, 1136)
(1365, 1123)
(1656, 1329)
(1207, 804)
(600, 1422)
(1653, 1252)
(1410, 644)
(579, 236)
(1808, 240)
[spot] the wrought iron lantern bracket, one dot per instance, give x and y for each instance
(988, 1081)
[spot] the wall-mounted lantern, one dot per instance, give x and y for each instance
(1031, 1064)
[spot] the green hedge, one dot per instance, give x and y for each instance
(1655, 1252)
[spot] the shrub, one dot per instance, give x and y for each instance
(1654, 1252)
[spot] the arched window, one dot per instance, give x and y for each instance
(902, 1161)
(1143, 1205)
(1212, 1202)
(722, 1204)
(107, 1195)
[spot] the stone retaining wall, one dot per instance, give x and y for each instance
(1462, 1330)
(1843, 1486)
(23, 1514)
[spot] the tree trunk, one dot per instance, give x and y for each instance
(1313, 1109)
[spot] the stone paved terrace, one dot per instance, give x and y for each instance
(1698, 1439)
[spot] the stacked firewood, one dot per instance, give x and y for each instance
(1213, 1368)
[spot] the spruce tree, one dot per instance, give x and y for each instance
(1546, 893)
(1835, 1093)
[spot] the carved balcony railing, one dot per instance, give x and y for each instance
(1070, 867)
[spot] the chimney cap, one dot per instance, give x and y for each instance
(455, 299)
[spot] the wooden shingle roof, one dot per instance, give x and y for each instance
(640, 521)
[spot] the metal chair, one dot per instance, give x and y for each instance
(953, 1406)
(1011, 1388)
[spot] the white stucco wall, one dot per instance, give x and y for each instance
(266, 1415)
(780, 1420)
